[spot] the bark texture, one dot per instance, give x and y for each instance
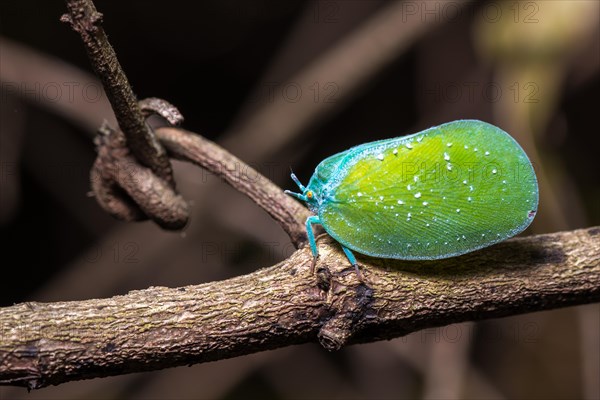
(45, 344)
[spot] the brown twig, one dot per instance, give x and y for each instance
(45, 344)
(171, 211)
(191, 147)
(116, 171)
(85, 20)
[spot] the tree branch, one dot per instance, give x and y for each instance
(147, 195)
(170, 210)
(45, 344)
(188, 146)
(85, 20)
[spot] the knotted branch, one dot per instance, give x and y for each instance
(132, 176)
(128, 190)
(116, 173)
(135, 145)
(45, 344)
(85, 20)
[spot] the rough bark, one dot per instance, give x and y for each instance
(45, 344)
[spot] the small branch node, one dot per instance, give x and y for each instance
(350, 303)
(335, 333)
(323, 278)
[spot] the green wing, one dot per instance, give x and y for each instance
(439, 193)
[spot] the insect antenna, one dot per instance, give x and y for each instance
(299, 196)
(295, 179)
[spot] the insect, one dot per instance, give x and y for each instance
(439, 193)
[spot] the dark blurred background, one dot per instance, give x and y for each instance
(284, 84)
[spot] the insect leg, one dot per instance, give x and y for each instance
(311, 238)
(353, 261)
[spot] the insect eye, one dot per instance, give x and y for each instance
(309, 194)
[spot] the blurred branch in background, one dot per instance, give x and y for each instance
(50, 343)
(535, 56)
(346, 68)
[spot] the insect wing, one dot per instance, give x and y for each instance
(439, 193)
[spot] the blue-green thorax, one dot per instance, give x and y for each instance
(316, 193)
(311, 195)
